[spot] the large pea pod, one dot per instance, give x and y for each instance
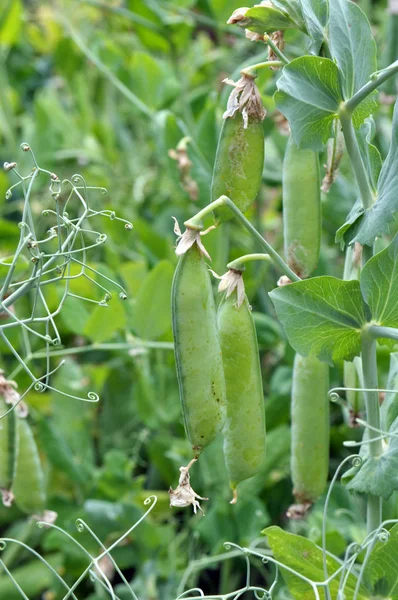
(310, 428)
(8, 443)
(239, 159)
(28, 485)
(244, 430)
(197, 350)
(301, 208)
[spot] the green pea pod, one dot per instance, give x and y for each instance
(197, 350)
(244, 430)
(8, 443)
(310, 428)
(28, 485)
(240, 153)
(301, 208)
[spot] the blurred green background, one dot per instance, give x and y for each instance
(107, 89)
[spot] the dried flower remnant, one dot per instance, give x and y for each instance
(187, 239)
(335, 153)
(246, 99)
(230, 281)
(11, 396)
(238, 16)
(278, 39)
(184, 164)
(184, 495)
(298, 511)
(7, 497)
(283, 280)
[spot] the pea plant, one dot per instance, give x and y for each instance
(327, 98)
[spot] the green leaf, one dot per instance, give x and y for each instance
(266, 19)
(345, 233)
(315, 13)
(376, 475)
(351, 45)
(389, 408)
(10, 22)
(105, 321)
(152, 316)
(382, 567)
(370, 154)
(322, 316)
(378, 285)
(309, 95)
(374, 222)
(306, 558)
(293, 9)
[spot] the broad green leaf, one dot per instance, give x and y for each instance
(266, 19)
(389, 408)
(322, 316)
(152, 316)
(351, 45)
(374, 221)
(382, 568)
(302, 555)
(75, 314)
(315, 13)
(309, 95)
(379, 285)
(10, 22)
(370, 154)
(376, 476)
(152, 79)
(293, 9)
(347, 231)
(105, 321)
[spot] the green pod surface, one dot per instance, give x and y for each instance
(354, 398)
(244, 430)
(239, 163)
(197, 350)
(8, 443)
(310, 428)
(28, 485)
(301, 208)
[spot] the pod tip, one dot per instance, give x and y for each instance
(235, 497)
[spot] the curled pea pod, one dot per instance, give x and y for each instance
(28, 484)
(244, 430)
(239, 159)
(8, 443)
(310, 429)
(197, 346)
(301, 208)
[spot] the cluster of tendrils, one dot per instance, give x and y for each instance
(54, 259)
(100, 569)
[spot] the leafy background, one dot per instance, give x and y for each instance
(106, 89)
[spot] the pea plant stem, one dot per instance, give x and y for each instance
(196, 223)
(275, 49)
(376, 331)
(238, 263)
(356, 158)
(369, 87)
(369, 366)
(252, 70)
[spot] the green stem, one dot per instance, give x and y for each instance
(196, 223)
(369, 87)
(356, 158)
(369, 366)
(238, 263)
(275, 49)
(252, 70)
(376, 331)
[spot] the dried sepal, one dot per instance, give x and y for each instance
(238, 16)
(7, 497)
(278, 39)
(246, 99)
(184, 495)
(11, 396)
(187, 239)
(283, 280)
(232, 280)
(184, 164)
(298, 511)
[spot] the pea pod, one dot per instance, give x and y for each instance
(8, 442)
(301, 208)
(244, 430)
(239, 159)
(197, 350)
(310, 428)
(28, 485)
